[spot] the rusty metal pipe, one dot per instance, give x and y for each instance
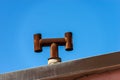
(54, 50)
(54, 43)
(49, 41)
(68, 39)
(37, 46)
(54, 57)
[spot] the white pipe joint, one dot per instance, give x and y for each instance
(53, 61)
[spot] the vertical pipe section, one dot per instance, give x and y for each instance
(54, 57)
(54, 50)
(37, 46)
(68, 39)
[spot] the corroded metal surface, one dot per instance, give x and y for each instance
(53, 43)
(39, 42)
(69, 70)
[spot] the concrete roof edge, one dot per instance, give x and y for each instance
(81, 66)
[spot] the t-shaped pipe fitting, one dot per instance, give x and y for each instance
(53, 43)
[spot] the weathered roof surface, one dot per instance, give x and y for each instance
(108, 75)
(69, 70)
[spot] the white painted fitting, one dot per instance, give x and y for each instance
(53, 61)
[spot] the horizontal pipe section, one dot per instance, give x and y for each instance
(49, 41)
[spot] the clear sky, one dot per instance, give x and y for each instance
(95, 25)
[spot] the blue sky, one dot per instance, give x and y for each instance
(94, 23)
